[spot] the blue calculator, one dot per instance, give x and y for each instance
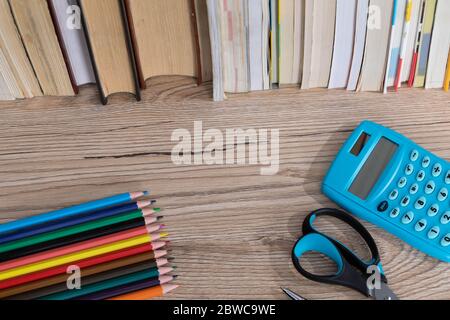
(387, 179)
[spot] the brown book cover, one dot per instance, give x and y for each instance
(39, 37)
(110, 46)
(163, 36)
(62, 45)
(203, 43)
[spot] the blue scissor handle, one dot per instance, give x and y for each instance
(351, 269)
(318, 243)
(349, 255)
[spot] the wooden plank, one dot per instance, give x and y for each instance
(231, 228)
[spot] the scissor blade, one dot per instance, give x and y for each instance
(384, 293)
(292, 294)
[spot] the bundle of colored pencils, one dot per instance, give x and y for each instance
(112, 248)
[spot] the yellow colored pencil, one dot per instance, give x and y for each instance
(84, 254)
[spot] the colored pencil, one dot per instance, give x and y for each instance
(402, 53)
(146, 294)
(447, 74)
(415, 58)
(92, 279)
(72, 221)
(83, 263)
(96, 269)
(107, 284)
(71, 211)
(121, 290)
(79, 246)
(57, 261)
(70, 235)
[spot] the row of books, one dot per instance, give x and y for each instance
(51, 47)
(359, 45)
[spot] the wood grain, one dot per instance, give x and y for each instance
(232, 229)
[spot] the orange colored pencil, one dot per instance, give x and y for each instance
(146, 294)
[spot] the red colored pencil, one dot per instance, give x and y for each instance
(148, 247)
(78, 247)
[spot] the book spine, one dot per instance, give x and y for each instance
(197, 41)
(130, 47)
(137, 58)
(103, 98)
(403, 45)
(62, 45)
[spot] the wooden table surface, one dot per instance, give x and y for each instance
(232, 229)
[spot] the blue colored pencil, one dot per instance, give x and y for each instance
(71, 211)
(72, 221)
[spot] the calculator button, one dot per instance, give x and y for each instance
(447, 177)
(420, 203)
(445, 242)
(445, 219)
(405, 201)
(402, 182)
(393, 195)
(421, 225)
(430, 187)
(426, 162)
(414, 188)
(408, 217)
(434, 232)
(409, 169)
(437, 170)
(383, 206)
(395, 212)
(443, 194)
(434, 210)
(420, 176)
(414, 155)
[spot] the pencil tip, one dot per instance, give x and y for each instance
(170, 258)
(159, 217)
(156, 209)
(153, 201)
(175, 276)
(146, 193)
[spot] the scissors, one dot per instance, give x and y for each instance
(352, 271)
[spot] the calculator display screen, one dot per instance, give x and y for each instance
(373, 168)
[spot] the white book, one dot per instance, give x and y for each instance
(299, 7)
(395, 42)
(274, 41)
(377, 42)
(307, 43)
(343, 43)
(74, 40)
(359, 43)
(255, 20)
(286, 41)
(215, 36)
(322, 44)
(440, 43)
(266, 44)
(411, 40)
